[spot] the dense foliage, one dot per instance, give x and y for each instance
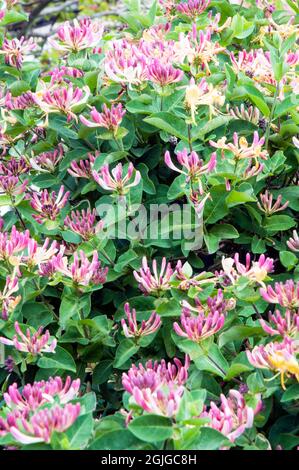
(148, 247)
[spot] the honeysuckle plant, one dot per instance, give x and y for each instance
(149, 276)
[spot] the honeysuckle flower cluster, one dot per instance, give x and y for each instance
(158, 387)
(147, 327)
(41, 425)
(34, 344)
(193, 8)
(278, 357)
(31, 397)
(286, 324)
(61, 100)
(117, 180)
(149, 209)
(293, 242)
(241, 149)
(48, 161)
(9, 301)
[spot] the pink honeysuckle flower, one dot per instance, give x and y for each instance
(199, 49)
(152, 282)
(285, 294)
(119, 179)
(61, 100)
(12, 185)
(293, 243)
(12, 244)
(163, 74)
(157, 388)
(15, 49)
(48, 205)
(31, 397)
(209, 320)
(59, 74)
(36, 255)
(78, 35)
(232, 417)
(254, 271)
(83, 168)
(187, 281)
(217, 303)
(48, 161)
(14, 167)
(193, 8)
(278, 357)
(198, 199)
(8, 301)
(36, 343)
(40, 426)
(286, 324)
(108, 118)
(84, 223)
(147, 327)
(243, 62)
(82, 271)
(193, 166)
(159, 50)
(199, 328)
(266, 205)
(157, 32)
(241, 148)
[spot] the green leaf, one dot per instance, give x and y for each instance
(151, 428)
(61, 359)
(126, 349)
